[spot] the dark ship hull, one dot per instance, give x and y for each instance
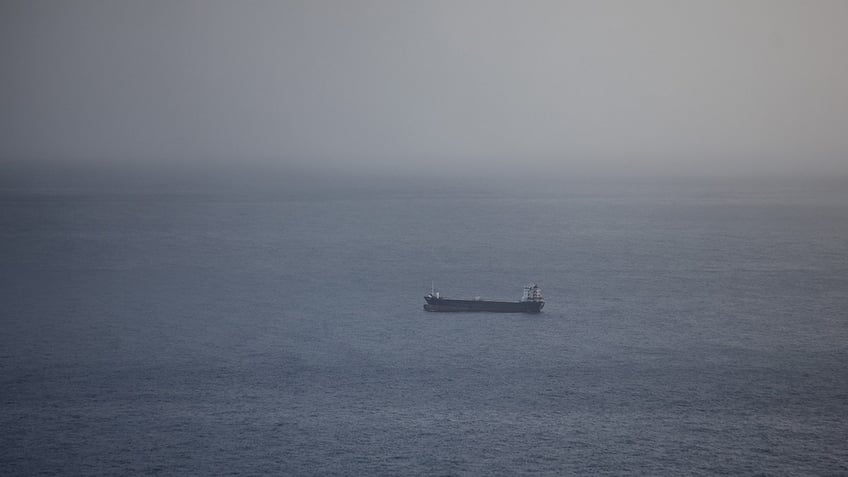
(445, 305)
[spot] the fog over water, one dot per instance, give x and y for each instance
(649, 87)
(219, 219)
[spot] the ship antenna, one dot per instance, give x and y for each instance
(432, 287)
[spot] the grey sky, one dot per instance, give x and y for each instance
(634, 86)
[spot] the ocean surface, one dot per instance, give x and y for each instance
(690, 329)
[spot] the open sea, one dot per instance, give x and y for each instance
(690, 329)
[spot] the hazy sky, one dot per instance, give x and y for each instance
(681, 87)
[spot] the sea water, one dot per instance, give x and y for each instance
(688, 330)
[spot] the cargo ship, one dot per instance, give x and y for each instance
(531, 302)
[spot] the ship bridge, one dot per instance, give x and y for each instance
(533, 293)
